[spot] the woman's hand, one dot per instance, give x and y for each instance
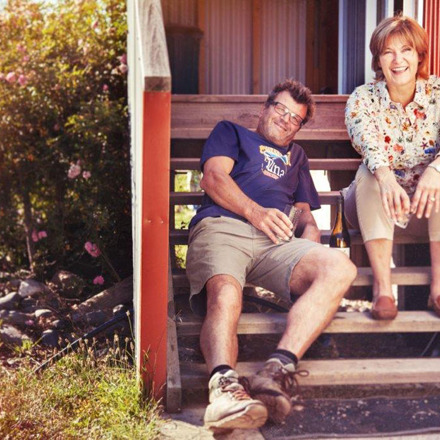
(395, 200)
(427, 195)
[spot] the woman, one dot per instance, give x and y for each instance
(393, 124)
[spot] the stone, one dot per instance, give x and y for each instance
(12, 336)
(120, 309)
(15, 318)
(96, 318)
(10, 301)
(61, 324)
(31, 287)
(68, 284)
(28, 305)
(50, 338)
(43, 313)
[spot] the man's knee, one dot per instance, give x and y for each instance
(335, 266)
(223, 293)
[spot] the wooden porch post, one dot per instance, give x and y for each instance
(432, 25)
(150, 118)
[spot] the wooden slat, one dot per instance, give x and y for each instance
(402, 276)
(174, 384)
(345, 164)
(343, 322)
(337, 372)
(192, 120)
(195, 198)
(180, 236)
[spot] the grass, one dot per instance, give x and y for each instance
(82, 396)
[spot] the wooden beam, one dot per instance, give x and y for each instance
(155, 68)
(405, 276)
(256, 46)
(343, 322)
(201, 23)
(337, 372)
(339, 164)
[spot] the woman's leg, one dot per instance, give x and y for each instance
(377, 232)
(434, 244)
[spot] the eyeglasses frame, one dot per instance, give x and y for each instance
(292, 115)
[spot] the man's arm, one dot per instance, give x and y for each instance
(307, 227)
(219, 185)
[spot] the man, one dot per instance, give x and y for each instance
(239, 235)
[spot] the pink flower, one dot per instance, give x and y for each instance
(123, 68)
(11, 77)
(87, 174)
(22, 80)
(92, 249)
(42, 234)
(29, 322)
(74, 170)
(2, 76)
(34, 236)
(26, 58)
(21, 48)
(99, 280)
(105, 88)
(123, 59)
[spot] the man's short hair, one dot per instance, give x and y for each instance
(409, 30)
(299, 93)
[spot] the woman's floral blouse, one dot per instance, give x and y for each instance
(386, 134)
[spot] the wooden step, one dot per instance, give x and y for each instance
(343, 322)
(180, 236)
(336, 372)
(339, 164)
(402, 276)
(195, 198)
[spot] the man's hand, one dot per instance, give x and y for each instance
(274, 223)
(307, 227)
(427, 195)
(395, 200)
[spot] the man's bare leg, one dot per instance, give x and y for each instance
(322, 277)
(230, 406)
(218, 338)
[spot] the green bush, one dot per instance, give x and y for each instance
(64, 143)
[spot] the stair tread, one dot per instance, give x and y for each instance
(404, 276)
(337, 372)
(343, 322)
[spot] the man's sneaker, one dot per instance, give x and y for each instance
(274, 385)
(230, 406)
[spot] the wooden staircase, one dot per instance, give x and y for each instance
(326, 143)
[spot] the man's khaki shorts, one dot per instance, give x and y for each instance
(227, 246)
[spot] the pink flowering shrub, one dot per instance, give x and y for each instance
(92, 249)
(99, 280)
(64, 144)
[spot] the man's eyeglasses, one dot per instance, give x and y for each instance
(281, 109)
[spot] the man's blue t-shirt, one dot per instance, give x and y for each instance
(272, 176)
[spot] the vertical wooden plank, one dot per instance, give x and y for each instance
(256, 47)
(201, 23)
(152, 315)
(432, 26)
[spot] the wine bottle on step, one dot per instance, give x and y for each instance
(340, 238)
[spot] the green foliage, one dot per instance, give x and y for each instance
(64, 144)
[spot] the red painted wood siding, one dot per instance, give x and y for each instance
(432, 26)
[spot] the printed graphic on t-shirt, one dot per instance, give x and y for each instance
(275, 163)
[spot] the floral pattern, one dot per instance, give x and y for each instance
(386, 134)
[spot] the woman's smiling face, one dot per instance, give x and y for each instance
(399, 62)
